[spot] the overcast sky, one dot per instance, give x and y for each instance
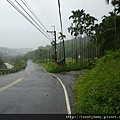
(17, 32)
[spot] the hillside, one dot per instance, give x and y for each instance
(13, 51)
(98, 91)
(83, 44)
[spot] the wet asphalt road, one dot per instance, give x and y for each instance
(69, 79)
(36, 93)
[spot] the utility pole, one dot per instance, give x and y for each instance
(54, 44)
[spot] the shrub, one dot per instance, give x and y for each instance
(98, 91)
(50, 67)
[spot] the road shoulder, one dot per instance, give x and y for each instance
(69, 79)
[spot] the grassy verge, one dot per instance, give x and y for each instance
(50, 67)
(98, 90)
(18, 61)
(20, 64)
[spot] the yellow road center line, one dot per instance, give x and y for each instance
(16, 81)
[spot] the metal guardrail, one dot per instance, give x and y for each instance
(14, 70)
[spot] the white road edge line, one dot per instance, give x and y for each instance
(66, 94)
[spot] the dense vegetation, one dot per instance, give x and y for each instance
(46, 58)
(51, 67)
(82, 52)
(97, 91)
(18, 61)
(2, 66)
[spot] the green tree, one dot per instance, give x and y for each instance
(82, 24)
(74, 30)
(116, 4)
(62, 37)
(107, 34)
(1, 62)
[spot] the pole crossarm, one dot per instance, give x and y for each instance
(50, 31)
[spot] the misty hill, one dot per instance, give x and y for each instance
(47, 47)
(14, 51)
(22, 50)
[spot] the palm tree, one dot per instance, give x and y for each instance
(76, 27)
(82, 23)
(73, 29)
(62, 37)
(70, 30)
(86, 25)
(116, 4)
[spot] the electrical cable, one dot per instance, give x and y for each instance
(18, 10)
(30, 16)
(29, 8)
(43, 12)
(45, 16)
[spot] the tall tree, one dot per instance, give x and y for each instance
(82, 23)
(62, 37)
(105, 36)
(1, 62)
(116, 4)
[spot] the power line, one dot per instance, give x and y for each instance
(43, 11)
(44, 15)
(30, 16)
(29, 8)
(18, 10)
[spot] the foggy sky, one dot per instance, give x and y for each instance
(17, 32)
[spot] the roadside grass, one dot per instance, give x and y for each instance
(70, 66)
(20, 64)
(98, 90)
